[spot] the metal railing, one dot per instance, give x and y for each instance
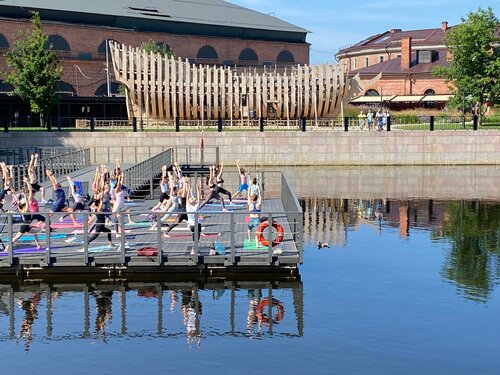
(228, 229)
(398, 122)
(61, 164)
(21, 155)
(140, 178)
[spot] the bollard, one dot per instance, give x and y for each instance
(431, 123)
(261, 124)
(177, 124)
(346, 124)
(92, 124)
(134, 124)
(219, 124)
(303, 124)
(474, 122)
(388, 123)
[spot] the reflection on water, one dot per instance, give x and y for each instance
(472, 228)
(104, 311)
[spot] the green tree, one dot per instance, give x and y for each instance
(474, 71)
(162, 48)
(35, 69)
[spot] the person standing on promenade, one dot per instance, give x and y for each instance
(361, 120)
(243, 180)
(379, 116)
(369, 119)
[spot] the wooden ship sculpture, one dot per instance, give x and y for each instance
(165, 88)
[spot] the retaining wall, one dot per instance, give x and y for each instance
(322, 148)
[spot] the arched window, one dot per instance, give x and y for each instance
(248, 54)
(58, 43)
(102, 46)
(285, 56)
(64, 88)
(5, 88)
(429, 92)
(103, 89)
(3, 42)
(372, 92)
(207, 52)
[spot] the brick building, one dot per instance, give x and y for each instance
(207, 32)
(395, 67)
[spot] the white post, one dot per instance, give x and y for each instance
(107, 69)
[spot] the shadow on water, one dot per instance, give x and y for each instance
(470, 227)
(105, 310)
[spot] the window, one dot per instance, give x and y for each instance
(64, 88)
(429, 92)
(248, 54)
(102, 90)
(102, 46)
(366, 61)
(58, 43)
(3, 42)
(355, 64)
(207, 52)
(372, 92)
(285, 56)
(381, 59)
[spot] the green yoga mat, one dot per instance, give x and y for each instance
(252, 245)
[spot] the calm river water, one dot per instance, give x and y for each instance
(409, 284)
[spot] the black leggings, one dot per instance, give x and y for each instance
(100, 228)
(215, 194)
(193, 230)
(177, 221)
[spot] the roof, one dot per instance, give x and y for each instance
(393, 66)
(392, 39)
(169, 15)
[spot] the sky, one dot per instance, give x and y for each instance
(335, 24)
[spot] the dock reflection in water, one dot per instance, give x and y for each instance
(34, 312)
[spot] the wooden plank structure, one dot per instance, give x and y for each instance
(161, 89)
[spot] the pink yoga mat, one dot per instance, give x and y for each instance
(203, 235)
(57, 225)
(80, 231)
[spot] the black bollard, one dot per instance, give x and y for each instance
(219, 124)
(303, 124)
(346, 124)
(261, 124)
(177, 124)
(134, 124)
(431, 123)
(92, 124)
(474, 122)
(388, 123)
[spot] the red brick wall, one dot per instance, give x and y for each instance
(86, 39)
(413, 86)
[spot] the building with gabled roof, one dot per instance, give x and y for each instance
(211, 32)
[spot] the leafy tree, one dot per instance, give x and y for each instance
(474, 71)
(162, 48)
(35, 69)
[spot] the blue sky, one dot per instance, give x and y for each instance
(334, 24)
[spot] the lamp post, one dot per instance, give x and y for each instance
(108, 86)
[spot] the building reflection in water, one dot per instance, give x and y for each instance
(114, 309)
(472, 228)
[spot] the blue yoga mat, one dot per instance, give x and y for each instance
(41, 237)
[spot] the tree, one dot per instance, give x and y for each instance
(474, 71)
(35, 69)
(162, 48)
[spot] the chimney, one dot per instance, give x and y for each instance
(444, 25)
(406, 52)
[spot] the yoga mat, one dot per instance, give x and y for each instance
(26, 250)
(252, 245)
(177, 229)
(203, 235)
(228, 206)
(80, 231)
(130, 203)
(58, 225)
(140, 224)
(41, 237)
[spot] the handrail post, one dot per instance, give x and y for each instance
(122, 238)
(270, 238)
(85, 239)
(47, 238)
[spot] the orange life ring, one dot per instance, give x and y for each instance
(262, 316)
(259, 233)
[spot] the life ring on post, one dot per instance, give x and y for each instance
(262, 314)
(259, 233)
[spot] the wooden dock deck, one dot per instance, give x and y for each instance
(64, 250)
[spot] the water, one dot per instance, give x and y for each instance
(407, 285)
